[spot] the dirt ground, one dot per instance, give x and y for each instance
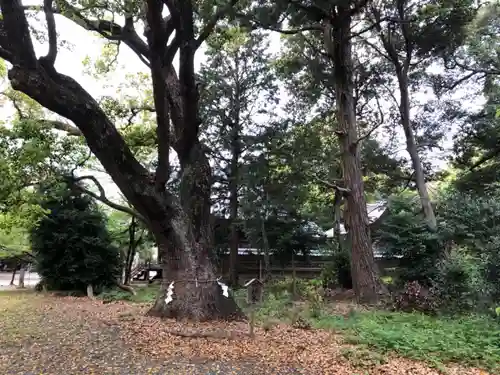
(47, 335)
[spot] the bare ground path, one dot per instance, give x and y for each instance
(46, 335)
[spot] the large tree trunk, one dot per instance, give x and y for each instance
(233, 204)
(366, 282)
(197, 294)
(411, 146)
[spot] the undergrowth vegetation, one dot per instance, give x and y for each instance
(471, 339)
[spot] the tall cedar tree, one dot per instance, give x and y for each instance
(237, 85)
(181, 225)
(333, 22)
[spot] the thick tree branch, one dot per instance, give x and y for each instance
(64, 126)
(475, 69)
(464, 79)
(102, 196)
(330, 185)
(107, 29)
(157, 40)
(18, 41)
(257, 24)
(210, 26)
(6, 55)
(487, 157)
(51, 26)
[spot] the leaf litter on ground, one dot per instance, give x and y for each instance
(47, 335)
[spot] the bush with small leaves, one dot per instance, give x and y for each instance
(415, 297)
(460, 284)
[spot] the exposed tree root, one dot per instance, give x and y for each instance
(218, 334)
(126, 288)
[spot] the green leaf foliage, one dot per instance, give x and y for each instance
(72, 246)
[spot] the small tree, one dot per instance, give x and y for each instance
(72, 245)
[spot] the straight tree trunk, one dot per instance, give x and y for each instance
(130, 251)
(233, 204)
(22, 272)
(13, 275)
(366, 281)
(411, 146)
(267, 250)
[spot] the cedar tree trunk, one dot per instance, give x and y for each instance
(233, 204)
(366, 282)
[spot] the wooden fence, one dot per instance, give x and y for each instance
(250, 266)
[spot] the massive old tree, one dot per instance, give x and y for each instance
(180, 223)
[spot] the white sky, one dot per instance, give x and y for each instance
(69, 62)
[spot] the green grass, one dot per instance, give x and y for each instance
(471, 340)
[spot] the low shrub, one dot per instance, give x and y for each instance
(415, 297)
(460, 284)
(337, 272)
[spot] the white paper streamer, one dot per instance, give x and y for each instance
(225, 289)
(170, 293)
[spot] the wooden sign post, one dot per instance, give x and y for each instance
(255, 291)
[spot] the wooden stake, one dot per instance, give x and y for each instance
(251, 324)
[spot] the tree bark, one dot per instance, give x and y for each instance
(130, 251)
(13, 275)
(197, 295)
(411, 146)
(366, 281)
(22, 272)
(267, 250)
(234, 203)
